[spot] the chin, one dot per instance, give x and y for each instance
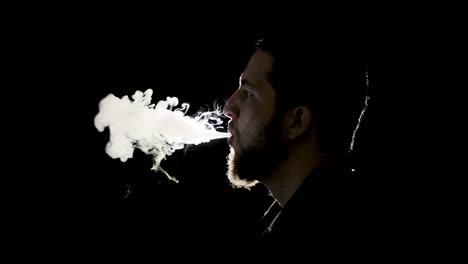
(235, 179)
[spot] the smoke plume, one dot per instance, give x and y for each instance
(158, 130)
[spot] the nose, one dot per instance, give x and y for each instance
(230, 109)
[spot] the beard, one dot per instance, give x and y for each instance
(257, 161)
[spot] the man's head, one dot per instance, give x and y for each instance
(291, 93)
(256, 142)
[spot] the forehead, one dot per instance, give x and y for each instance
(258, 67)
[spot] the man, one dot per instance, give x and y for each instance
(293, 120)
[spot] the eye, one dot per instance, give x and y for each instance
(247, 93)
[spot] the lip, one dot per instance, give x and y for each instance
(230, 130)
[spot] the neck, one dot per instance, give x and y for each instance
(290, 174)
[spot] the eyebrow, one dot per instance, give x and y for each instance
(243, 80)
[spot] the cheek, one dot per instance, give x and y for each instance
(251, 125)
(251, 132)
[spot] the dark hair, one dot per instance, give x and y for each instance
(326, 74)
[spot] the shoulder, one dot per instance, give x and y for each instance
(327, 207)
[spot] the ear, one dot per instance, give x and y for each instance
(298, 120)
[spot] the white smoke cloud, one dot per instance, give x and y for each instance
(157, 130)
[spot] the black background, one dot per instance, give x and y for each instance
(68, 190)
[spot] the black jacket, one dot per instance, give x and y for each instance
(332, 210)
